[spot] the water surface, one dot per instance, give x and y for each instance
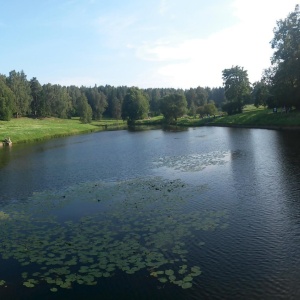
(118, 215)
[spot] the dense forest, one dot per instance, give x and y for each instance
(22, 97)
(278, 87)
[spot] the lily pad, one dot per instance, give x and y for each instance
(186, 285)
(28, 284)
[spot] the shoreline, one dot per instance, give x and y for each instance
(44, 135)
(268, 127)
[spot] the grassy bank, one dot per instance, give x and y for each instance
(261, 117)
(24, 130)
(251, 117)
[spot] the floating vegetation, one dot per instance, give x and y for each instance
(3, 216)
(2, 282)
(91, 231)
(193, 163)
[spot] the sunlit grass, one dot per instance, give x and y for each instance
(251, 116)
(23, 130)
(260, 117)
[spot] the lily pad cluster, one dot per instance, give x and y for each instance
(182, 277)
(92, 231)
(195, 162)
(3, 216)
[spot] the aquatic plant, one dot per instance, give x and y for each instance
(93, 230)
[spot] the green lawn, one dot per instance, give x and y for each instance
(251, 116)
(24, 130)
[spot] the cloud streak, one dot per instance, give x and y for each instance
(200, 61)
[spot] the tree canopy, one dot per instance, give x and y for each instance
(285, 75)
(173, 106)
(260, 93)
(237, 89)
(20, 86)
(7, 100)
(135, 105)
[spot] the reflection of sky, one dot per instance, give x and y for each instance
(262, 193)
(256, 183)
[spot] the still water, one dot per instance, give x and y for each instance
(205, 213)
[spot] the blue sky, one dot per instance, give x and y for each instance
(154, 43)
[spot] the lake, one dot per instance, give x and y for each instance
(203, 213)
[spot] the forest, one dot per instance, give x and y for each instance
(22, 97)
(278, 87)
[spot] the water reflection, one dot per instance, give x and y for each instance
(251, 174)
(289, 149)
(5, 153)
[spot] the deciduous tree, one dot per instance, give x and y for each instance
(237, 88)
(135, 105)
(6, 101)
(173, 106)
(286, 60)
(260, 93)
(19, 85)
(84, 109)
(36, 94)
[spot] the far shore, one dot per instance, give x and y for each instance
(251, 117)
(24, 130)
(269, 127)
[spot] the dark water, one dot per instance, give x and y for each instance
(252, 175)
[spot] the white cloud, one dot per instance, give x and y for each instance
(194, 62)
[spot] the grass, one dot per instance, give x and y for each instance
(251, 117)
(24, 130)
(261, 117)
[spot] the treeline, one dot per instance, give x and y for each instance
(280, 84)
(279, 87)
(22, 97)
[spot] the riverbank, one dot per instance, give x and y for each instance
(251, 117)
(23, 130)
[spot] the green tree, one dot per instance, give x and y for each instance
(237, 89)
(84, 109)
(135, 105)
(97, 101)
(285, 77)
(197, 96)
(6, 101)
(116, 108)
(36, 94)
(260, 93)
(173, 106)
(202, 96)
(55, 101)
(210, 109)
(20, 86)
(217, 95)
(75, 93)
(207, 109)
(193, 110)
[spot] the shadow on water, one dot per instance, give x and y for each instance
(289, 147)
(174, 128)
(5, 153)
(136, 128)
(255, 257)
(167, 128)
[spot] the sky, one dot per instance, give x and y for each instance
(143, 43)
